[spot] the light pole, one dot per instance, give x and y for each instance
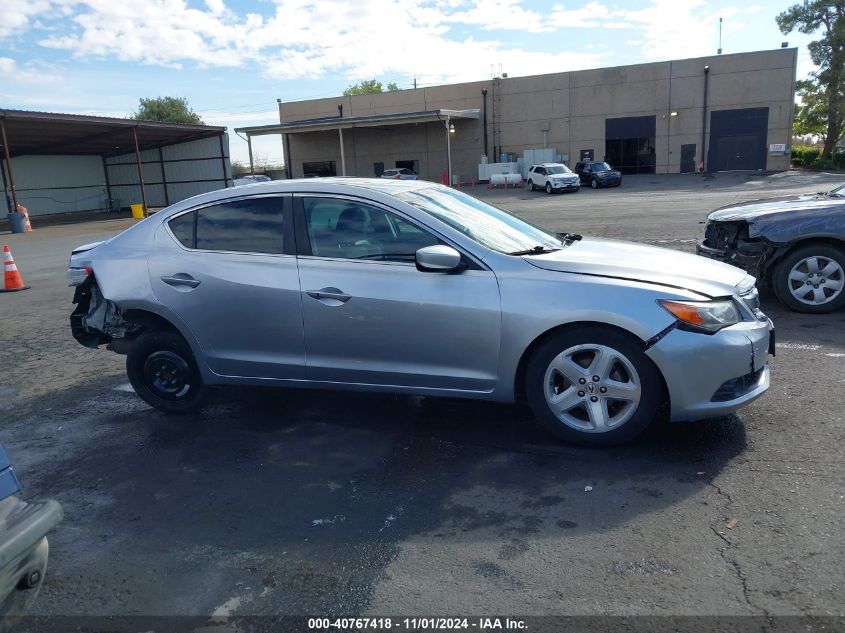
(450, 129)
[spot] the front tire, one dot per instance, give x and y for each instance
(549, 188)
(810, 279)
(593, 386)
(594, 183)
(163, 372)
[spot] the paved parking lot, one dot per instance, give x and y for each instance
(308, 502)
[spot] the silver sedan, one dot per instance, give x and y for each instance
(411, 287)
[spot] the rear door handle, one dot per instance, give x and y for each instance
(329, 293)
(181, 279)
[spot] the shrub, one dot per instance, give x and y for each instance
(804, 155)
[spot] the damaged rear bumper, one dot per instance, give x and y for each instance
(96, 320)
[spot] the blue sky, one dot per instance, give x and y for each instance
(231, 58)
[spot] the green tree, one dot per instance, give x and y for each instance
(811, 112)
(168, 110)
(368, 87)
(828, 53)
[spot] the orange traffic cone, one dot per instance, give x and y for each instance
(12, 280)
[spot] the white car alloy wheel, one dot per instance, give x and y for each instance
(592, 388)
(816, 280)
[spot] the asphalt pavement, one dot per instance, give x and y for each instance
(317, 503)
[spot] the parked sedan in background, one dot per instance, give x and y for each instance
(23, 544)
(796, 245)
(399, 173)
(552, 177)
(598, 174)
(411, 287)
(250, 179)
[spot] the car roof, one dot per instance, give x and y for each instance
(334, 184)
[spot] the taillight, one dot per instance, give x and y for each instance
(77, 276)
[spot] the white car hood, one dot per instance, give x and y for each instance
(627, 260)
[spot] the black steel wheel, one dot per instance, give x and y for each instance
(163, 372)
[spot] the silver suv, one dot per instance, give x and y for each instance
(412, 287)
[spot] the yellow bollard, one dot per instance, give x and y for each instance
(137, 211)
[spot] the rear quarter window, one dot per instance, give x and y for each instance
(252, 225)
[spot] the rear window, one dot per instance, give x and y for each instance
(253, 225)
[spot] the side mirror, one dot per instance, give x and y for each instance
(438, 259)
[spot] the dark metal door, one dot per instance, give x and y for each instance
(738, 153)
(688, 159)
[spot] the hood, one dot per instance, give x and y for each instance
(768, 206)
(627, 260)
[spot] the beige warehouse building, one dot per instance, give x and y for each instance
(644, 118)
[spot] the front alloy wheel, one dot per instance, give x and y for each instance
(811, 279)
(592, 388)
(594, 183)
(548, 187)
(593, 385)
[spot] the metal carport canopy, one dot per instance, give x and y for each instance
(54, 133)
(24, 132)
(344, 123)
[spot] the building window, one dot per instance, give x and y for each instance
(319, 169)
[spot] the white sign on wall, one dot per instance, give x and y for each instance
(777, 148)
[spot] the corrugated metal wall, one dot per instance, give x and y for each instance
(63, 184)
(58, 184)
(172, 173)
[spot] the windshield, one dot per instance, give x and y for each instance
(601, 167)
(839, 192)
(558, 169)
(490, 226)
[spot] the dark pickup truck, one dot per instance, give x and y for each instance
(23, 544)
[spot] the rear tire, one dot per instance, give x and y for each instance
(561, 373)
(810, 279)
(531, 186)
(163, 372)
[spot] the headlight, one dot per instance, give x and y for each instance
(706, 316)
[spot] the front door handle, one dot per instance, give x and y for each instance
(181, 279)
(329, 293)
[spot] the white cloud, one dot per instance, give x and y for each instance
(502, 14)
(367, 38)
(307, 39)
(591, 15)
(30, 73)
(671, 29)
(16, 15)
